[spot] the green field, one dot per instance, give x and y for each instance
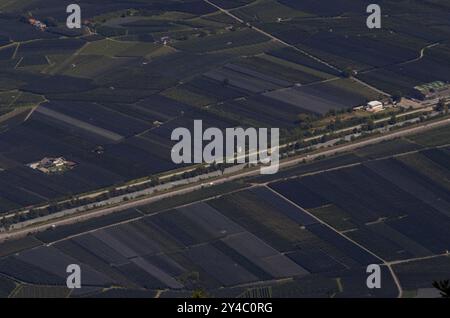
(437, 137)
(332, 214)
(185, 96)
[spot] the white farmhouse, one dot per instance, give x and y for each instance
(375, 106)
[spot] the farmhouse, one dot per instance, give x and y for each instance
(374, 106)
(431, 90)
(52, 165)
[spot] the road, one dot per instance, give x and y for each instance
(271, 36)
(421, 54)
(227, 178)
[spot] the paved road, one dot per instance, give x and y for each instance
(248, 173)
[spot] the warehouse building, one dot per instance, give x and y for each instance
(433, 90)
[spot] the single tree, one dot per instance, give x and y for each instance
(393, 120)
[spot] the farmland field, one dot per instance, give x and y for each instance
(322, 98)
(88, 124)
(387, 205)
(437, 137)
(318, 227)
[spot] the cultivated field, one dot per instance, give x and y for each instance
(108, 96)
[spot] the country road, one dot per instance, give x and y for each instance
(420, 57)
(394, 276)
(227, 178)
(271, 36)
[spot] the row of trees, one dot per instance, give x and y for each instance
(442, 106)
(115, 191)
